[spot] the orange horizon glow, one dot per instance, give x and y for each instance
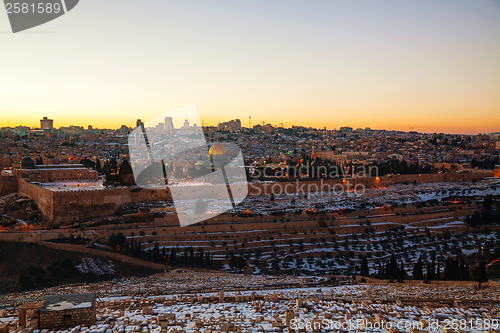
(443, 123)
(426, 129)
(384, 65)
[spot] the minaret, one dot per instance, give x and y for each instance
(313, 153)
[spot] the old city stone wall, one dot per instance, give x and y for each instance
(8, 185)
(68, 206)
(43, 197)
(76, 205)
(290, 187)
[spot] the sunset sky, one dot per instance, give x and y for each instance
(430, 65)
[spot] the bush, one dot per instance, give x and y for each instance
(38, 273)
(62, 268)
(26, 282)
(117, 240)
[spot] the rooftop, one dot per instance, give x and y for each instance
(69, 302)
(73, 186)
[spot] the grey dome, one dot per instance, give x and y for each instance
(27, 163)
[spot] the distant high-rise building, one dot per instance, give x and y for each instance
(231, 125)
(160, 127)
(186, 124)
(138, 123)
(46, 124)
(169, 125)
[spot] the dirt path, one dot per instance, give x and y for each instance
(111, 255)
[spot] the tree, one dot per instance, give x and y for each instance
(392, 272)
(481, 277)
(237, 262)
(418, 273)
(38, 273)
(402, 273)
(173, 257)
(431, 272)
(98, 167)
(208, 260)
(486, 216)
(365, 271)
(117, 241)
(62, 268)
(26, 282)
(88, 163)
(125, 172)
(156, 252)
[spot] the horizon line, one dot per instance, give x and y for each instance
(258, 124)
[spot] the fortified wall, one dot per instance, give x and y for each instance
(76, 205)
(306, 186)
(43, 197)
(8, 185)
(68, 206)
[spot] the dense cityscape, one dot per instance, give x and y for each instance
(341, 229)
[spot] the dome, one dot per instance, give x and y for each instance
(27, 163)
(217, 149)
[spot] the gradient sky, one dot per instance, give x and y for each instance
(433, 65)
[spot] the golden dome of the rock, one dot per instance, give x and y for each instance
(217, 149)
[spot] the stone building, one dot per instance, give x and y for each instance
(54, 173)
(66, 311)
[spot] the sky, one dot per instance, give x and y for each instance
(427, 65)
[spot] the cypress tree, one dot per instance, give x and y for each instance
(365, 271)
(432, 271)
(156, 252)
(418, 273)
(482, 272)
(173, 256)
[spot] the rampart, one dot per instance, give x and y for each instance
(43, 197)
(62, 207)
(68, 206)
(76, 205)
(305, 186)
(8, 185)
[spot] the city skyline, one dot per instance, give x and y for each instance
(431, 66)
(131, 125)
